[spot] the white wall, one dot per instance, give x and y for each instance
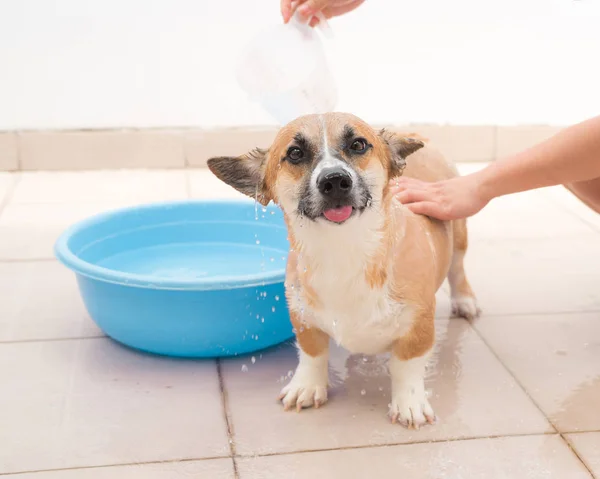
(146, 63)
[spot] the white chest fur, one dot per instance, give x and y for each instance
(335, 259)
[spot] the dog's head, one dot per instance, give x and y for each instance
(325, 168)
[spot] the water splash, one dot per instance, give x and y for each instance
(244, 368)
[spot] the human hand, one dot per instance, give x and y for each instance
(452, 199)
(310, 8)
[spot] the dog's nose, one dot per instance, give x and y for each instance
(334, 183)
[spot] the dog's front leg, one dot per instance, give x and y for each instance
(308, 386)
(408, 361)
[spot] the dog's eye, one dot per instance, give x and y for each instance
(359, 145)
(295, 154)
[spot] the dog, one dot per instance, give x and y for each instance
(362, 269)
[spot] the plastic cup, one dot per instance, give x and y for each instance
(285, 70)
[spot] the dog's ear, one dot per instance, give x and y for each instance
(245, 173)
(400, 147)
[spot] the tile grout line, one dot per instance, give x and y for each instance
(383, 445)
(441, 318)
(513, 375)
(571, 213)
(577, 455)
(106, 466)
(52, 340)
(11, 190)
(288, 453)
(227, 417)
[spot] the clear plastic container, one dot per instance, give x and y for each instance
(285, 69)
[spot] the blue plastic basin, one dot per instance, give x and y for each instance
(192, 279)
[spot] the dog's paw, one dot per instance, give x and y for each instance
(411, 409)
(465, 307)
(303, 392)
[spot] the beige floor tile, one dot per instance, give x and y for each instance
(29, 231)
(471, 392)
(98, 186)
(9, 156)
(203, 184)
(209, 469)
(40, 300)
(532, 457)
(530, 214)
(557, 359)
(587, 445)
(569, 201)
(526, 276)
(6, 183)
(92, 402)
(549, 212)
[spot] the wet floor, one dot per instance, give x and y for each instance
(517, 392)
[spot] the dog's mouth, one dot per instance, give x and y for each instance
(339, 214)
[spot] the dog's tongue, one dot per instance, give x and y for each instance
(338, 215)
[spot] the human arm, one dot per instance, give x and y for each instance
(570, 156)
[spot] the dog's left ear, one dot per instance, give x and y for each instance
(400, 147)
(245, 173)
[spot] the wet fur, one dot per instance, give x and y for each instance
(369, 283)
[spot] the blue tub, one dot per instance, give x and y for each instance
(191, 279)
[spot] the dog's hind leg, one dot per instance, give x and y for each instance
(464, 303)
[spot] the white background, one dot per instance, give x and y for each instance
(162, 63)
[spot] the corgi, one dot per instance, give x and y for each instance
(362, 269)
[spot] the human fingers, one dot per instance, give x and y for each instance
(337, 10)
(413, 196)
(429, 208)
(286, 10)
(401, 184)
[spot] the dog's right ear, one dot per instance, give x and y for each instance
(245, 173)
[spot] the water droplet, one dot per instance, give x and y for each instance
(363, 392)
(271, 259)
(276, 298)
(290, 373)
(264, 209)
(256, 337)
(244, 368)
(273, 212)
(257, 241)
(273, 309)
(257, 316)
(253, 359)
(262, 320)
(381, 388)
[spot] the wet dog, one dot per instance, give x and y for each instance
(362, 269)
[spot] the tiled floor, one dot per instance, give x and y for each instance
(517, 392)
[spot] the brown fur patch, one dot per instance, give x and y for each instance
(419, 339)
(313, 341)
(376, 273)
(310, 295)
